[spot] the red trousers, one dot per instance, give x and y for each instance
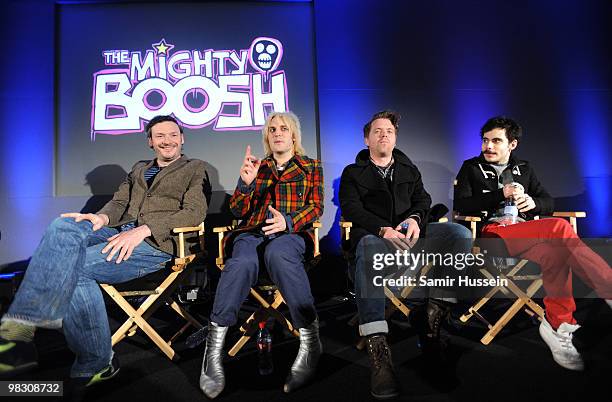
(553, 244)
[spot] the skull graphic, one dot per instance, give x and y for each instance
(265, 54)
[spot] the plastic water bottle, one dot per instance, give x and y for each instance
(510, 212)
(264, 350)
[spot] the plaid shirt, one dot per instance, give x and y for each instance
(297, 194)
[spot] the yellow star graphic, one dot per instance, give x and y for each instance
(162, 47)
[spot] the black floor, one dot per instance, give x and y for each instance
(516, 366)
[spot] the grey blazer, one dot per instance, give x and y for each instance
(177, 197)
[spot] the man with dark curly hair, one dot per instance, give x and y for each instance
(484, 183)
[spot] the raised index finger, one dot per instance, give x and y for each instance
(274, 211)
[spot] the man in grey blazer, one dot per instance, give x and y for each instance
(129, 237)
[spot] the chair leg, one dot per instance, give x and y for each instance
(396, 301)
(130, 326)
(528, 294)
(523, 299)
(256, 314)
(186, 316)
(239, 344)
(501, 323)
(156, 338)
(250, 327)
(137, 317)
(474, 309)
(273, 311)
(396, 304)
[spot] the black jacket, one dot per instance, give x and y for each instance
(366, 200)
(477, 188)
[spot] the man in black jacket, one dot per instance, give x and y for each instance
(485, 181)
(483, 185)
(382, 194)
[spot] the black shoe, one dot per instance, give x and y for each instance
(383, 383)
(16, 357)
(429, 321)
(105, 374)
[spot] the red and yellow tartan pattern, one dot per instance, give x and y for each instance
(298, 193)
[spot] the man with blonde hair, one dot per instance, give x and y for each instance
(278, 198)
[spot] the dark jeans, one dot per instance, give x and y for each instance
(371, 301)
(60, 288)
(283, 257)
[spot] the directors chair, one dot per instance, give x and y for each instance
(162, 293)
(511, 270)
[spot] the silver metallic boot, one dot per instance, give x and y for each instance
(212, 376)
(305, 364)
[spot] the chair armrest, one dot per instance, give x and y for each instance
(471, 219)
(572, 214)
(223, 229)
(316, 225)
(467, 218)
(188, 229)
(345, 229)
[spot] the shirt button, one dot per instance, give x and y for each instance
(141, 214)
(148, 194)
(299, 195)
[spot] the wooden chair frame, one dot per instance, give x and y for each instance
(267, 308)
(524, 299)
(137, 317)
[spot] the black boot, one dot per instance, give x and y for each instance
(429, 321)
(383, 383)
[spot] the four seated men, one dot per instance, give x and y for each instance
(278, 199)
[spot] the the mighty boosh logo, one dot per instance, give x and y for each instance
(228, 89)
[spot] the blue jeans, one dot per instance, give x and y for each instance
(60, 288)
(283, 257)
(444, 237)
